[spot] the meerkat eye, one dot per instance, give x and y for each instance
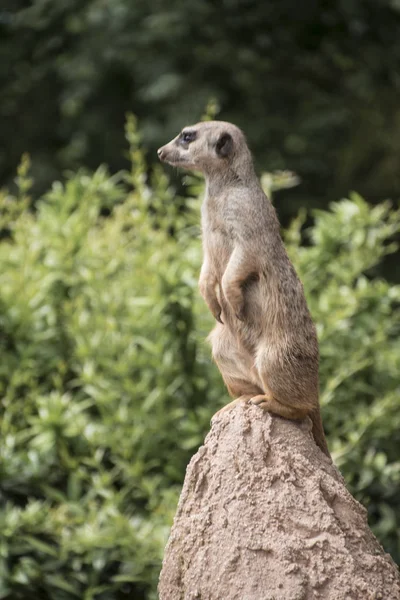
(188, 136)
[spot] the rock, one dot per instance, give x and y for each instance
(264, 515)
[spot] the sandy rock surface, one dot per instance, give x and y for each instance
(264, 515)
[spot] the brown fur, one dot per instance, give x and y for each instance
(264, 343)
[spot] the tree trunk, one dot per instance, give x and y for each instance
(264, 515)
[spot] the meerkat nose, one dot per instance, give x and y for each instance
(160, 153)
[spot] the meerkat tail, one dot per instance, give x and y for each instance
(318, 431)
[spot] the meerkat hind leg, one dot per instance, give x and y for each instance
(268, 402)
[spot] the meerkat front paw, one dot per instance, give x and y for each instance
(233, 294)
(215, 309)
(214, 306)
(207, 290)
(217, 314)
(237, 305)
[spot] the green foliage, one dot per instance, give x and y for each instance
(107, 385)
(314, 86)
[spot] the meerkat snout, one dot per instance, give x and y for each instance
(176, 152)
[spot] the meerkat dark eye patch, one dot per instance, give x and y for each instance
(224, 145)
(187, 136)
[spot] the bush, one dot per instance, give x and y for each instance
(107, 384)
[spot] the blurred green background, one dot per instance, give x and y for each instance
(106, 382)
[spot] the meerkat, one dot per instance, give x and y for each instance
(264, 342)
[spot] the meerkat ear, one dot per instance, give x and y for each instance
(224, 145)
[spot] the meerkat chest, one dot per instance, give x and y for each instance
(214, 218)
(217, 242)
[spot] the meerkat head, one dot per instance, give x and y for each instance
(209, 147)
